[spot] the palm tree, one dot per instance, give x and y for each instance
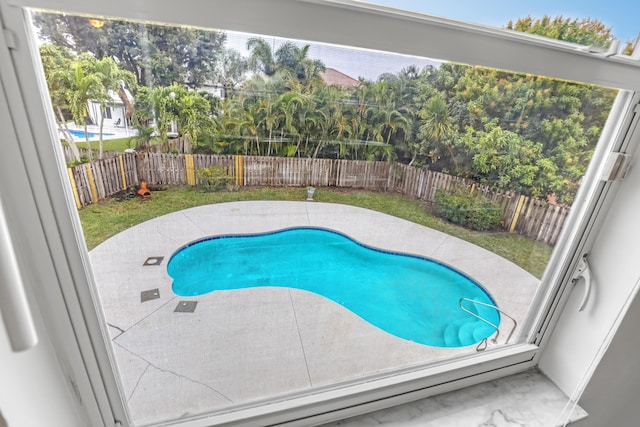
(270, 118)
(293, 105)
(250, 124)
(164, 108)
(288, 58)
(144, 112)
(296, 60)
(192, 113)
(261, 56)
(112, 80)
(437, 122)
(143, 137)
(57, 64)
(84, 86)
(228, 126)
(390, 121)
(329, 110)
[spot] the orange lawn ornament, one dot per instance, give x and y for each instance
(143, 191)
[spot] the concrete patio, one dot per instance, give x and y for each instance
(244, 345)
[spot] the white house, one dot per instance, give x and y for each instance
(115, 110)
(214, 89)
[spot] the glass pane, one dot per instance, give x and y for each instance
(268, 217)
(593, 24)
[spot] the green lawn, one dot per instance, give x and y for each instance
(118, 144)
(110, 217)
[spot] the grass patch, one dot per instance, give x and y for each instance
(110, 217)
(117, 144)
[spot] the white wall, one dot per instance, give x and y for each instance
(117, 112)
(572, 354)
(611, 397)
(33, 391)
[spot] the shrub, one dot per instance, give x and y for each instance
(74, 162)
(463, 208)
(215, 178)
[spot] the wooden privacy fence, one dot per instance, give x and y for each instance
(176, 145)
(84, 152)
(94, 181)
(103, 178)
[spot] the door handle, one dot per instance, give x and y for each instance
(583, 270)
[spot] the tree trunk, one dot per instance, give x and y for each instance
(128, 106)
(453, 159)
(68, 136)
(101, 141)
(86, 138)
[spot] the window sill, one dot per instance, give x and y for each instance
(525, 399)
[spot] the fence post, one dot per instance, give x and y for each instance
(240, 170)
(190, 169)
(124, 177)
(74, 187)
(516, 215)
(92, 183)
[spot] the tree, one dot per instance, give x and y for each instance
(261, 57)
(193, 115)
(83, 86)
(289, 58)
(568, 117)
(436, 124)
(113, 81)
(293, 105)
(295, 59)
(335, 126)
(57, 63)
(389, 112)
(587, 32)
(143, 137)
(229, 69)
(162, 106)
(504, 160)
(270, 118)
(157, 55)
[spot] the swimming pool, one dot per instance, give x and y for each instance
(412, 297)
(92, 135)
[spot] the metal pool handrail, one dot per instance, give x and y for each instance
(495, 340)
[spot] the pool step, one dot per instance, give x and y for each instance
(466, 332)
(451, 338)
(483, 331)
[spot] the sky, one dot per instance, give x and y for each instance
(353, 62)
(622, 16)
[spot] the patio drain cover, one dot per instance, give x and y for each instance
(186, 307)
(154, 260)
(149, 295)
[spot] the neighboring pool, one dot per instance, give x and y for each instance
(80, 134)
(412, 297)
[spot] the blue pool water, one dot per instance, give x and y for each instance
(412, 297)
(80, 134)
